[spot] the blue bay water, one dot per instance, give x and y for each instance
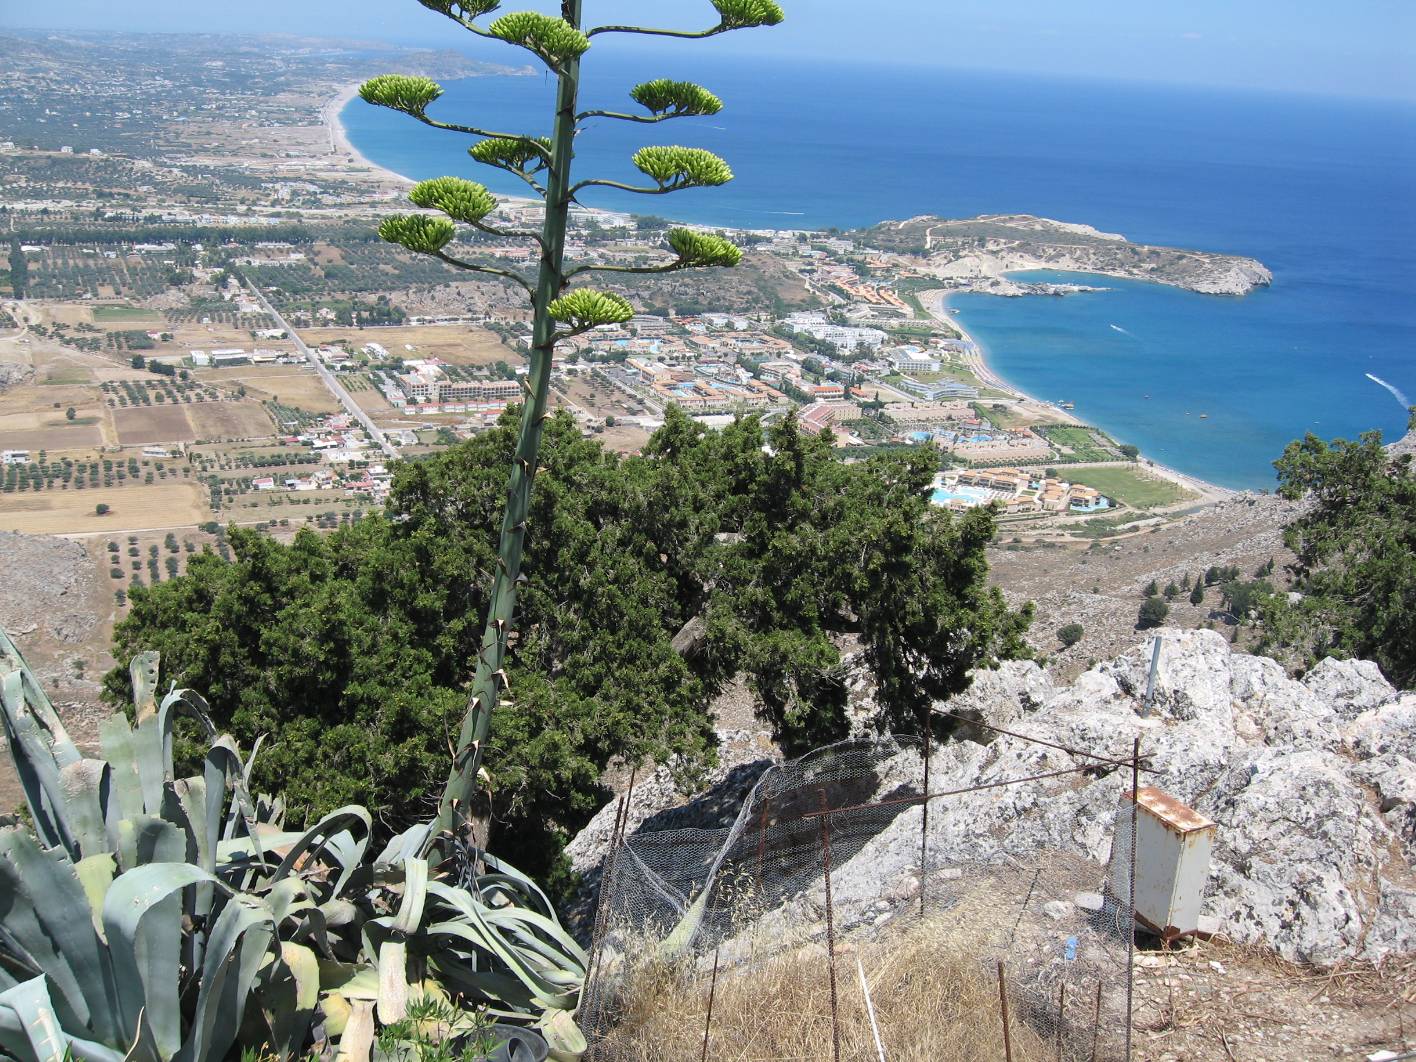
(1322, 191)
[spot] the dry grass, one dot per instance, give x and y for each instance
(934, 1002)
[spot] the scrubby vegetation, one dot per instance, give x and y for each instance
(352, 650)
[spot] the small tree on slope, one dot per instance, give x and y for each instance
(545, 166)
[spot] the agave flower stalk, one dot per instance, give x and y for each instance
(544, 165)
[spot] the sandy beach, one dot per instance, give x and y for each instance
(340, 144)
(976, 357)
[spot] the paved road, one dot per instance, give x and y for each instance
(335, 387)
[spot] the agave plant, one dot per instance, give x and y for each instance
(156, 918)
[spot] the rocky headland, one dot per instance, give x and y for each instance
(975, 254)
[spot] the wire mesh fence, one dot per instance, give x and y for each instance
(830, 867)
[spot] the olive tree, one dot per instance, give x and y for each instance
(559, 311)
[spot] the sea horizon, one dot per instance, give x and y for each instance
(1312, 187)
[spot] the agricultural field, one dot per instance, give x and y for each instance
(134, 315)
(1130, 486)
(290, 385)
(71, 512)
(152, 424)
(246, 419)
(50, 429)
(454, 344)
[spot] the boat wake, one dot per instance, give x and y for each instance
(1395, 393)
(1118, 328)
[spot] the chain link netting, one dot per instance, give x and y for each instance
(1049, 925)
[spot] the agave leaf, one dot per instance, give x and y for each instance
(238, 946)
(154, 769)
(35, 764)
(61, 745)
(358, 1035)
(147, 839)
(41, 905)
(393, 981)
(474, 931)
(95, 875)
(85, 786)
(29, 1025)
(316, 839)
(196, 706)
(304, 970)
(115, 739)
(142, 670)
(415, 895)
(566, 1041)
(350, 980)
(145, 950)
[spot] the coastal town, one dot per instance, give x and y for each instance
(249, 352)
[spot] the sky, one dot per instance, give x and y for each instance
(1350, 47)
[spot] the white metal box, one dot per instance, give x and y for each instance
(1173, 844)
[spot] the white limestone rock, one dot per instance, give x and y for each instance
(1350, 687)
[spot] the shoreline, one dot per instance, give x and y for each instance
(976, 356)
(340, 144)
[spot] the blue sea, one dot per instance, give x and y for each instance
(1323, 191)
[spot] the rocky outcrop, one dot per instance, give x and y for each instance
(1312, 784)
(975, 253)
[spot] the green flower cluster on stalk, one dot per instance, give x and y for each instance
(682, 167)
(586, 308)
(418, 232)
(513, 153)
(676, 98)
(553, 39)
(399, 92)
(745, 14)
(459, 199)
(703, 248)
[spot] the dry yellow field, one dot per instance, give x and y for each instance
(291, 385)
(49, 430)
(229, 420)
(152, 424)
(454, 344)
(67, 512)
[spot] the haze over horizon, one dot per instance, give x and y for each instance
(1366, 48)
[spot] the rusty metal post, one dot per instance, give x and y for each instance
(1131, 929)
(830, 928)
(1061, 1017)
(924, 819)
(1003, 1006)
(712, 991)
(1096, 1020)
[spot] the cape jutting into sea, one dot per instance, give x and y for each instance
(1318, 189)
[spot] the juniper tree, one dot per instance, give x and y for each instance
(558, 311)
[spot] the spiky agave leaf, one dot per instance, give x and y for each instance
(461, 9)
(665, 96)
(703, 248)
(400, 92)
(508, 153)
(459, 199)
(586, 308)
(682, 167)
(744, 14)
(554, 39)
(418, 232)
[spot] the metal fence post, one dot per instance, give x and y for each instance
(830, 927)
